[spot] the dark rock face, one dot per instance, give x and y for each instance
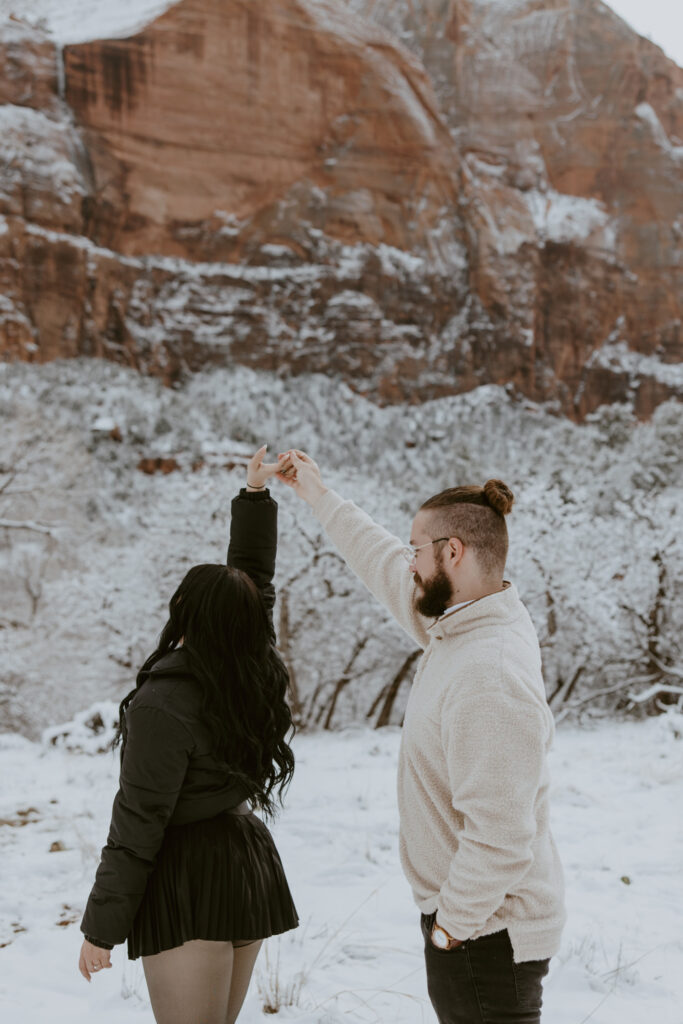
(495, 199)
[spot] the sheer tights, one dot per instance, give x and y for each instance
(200, 982)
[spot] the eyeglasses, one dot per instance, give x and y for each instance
(410, 551)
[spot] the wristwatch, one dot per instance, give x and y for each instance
(441, 938)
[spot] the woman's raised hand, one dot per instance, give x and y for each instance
(259, 471)
(302, 474)
(92, 959)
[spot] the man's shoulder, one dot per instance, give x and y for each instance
(494, 667)
(482, 649)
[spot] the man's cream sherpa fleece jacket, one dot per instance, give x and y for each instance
(475, 840)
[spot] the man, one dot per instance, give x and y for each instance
(475, 841)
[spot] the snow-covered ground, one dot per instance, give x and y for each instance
(357, 955)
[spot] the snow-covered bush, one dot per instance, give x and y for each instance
(91, 548)
(89, 732)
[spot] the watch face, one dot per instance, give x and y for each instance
(439, 938)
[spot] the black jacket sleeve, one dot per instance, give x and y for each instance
(253, 541)
(96, 942)
(154, 764)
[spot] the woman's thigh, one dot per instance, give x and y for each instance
(244, 958)
(190, 984)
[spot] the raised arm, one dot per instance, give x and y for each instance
(253, 529)
(370, 551)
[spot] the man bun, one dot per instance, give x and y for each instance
(499, 496)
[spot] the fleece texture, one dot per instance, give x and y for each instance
(473, 783)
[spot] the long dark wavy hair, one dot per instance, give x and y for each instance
(219, 614)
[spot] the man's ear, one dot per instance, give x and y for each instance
(455, 549)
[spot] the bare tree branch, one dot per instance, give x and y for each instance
(390, 691)
(11, 477)
(27, 524)
(668, 670)
(285, 651)
(576, 704)
(561, 695)
(344, 680)
(653, 691)
(632, 611)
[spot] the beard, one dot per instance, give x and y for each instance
(436, 596)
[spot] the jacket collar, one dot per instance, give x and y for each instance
(495, 609)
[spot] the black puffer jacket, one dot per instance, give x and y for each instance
(168, 773)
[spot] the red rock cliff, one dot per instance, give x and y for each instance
(285, 184)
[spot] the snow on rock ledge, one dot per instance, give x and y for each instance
(562, 218)
(77, 21)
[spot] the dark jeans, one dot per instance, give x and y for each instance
(479, 982)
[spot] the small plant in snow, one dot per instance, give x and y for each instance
(133, 983)
(275, 990)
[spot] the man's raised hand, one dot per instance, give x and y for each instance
(302, 474)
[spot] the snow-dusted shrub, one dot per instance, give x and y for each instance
(89, 732)
(595, 549)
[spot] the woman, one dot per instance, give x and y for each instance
(189, 876)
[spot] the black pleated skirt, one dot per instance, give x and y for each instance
(219, 879)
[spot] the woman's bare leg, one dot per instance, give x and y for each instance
(192, 983)
(244, 958)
